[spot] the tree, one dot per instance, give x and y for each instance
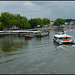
(68, 20)
(59, 22)
(8, 20)
(39, 22)
(46, 21)
(5, 18)
(1, 26)
(33, 23)
(17, 20)
(24, 20)
(27, 25)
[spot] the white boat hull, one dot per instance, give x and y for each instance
(63, 39)
(42, 34)
(64, 42)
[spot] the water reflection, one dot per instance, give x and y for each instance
(36, 55)
(58, 29)
(41, 38)
(11, 44)
(28, 39)
(64, 45)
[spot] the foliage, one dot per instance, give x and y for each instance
(46, 21)
(27, 26)
(59, 21)
(38, 21)
(8, 20)
(33, 23)
(68, 20)
(1, 27)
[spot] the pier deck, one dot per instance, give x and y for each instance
(17, 32)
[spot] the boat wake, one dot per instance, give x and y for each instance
(73, 46)
(63, 47)
(60, 47)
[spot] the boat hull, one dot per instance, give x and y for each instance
(42, 34)
(64, 42)
(62, 38)
(28, 36)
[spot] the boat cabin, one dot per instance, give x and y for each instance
(63, 38)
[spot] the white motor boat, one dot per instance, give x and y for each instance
(42, 33)
(62, 38)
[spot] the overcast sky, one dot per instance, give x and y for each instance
(40, 9)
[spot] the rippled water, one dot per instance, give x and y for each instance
(36, 55)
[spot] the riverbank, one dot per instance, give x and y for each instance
(35, 30)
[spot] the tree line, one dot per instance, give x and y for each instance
(60, 21)
(8, 20)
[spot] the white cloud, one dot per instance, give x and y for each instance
(28, 3)
(31, 9)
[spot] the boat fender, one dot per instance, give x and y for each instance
(74, 42)
(60, 42)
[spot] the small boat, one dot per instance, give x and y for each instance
(31, 35)
(62, 38)
(71, 29)
(42, 33)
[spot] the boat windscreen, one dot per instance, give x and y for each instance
(66, 38)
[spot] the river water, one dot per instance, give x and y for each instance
(37, 55)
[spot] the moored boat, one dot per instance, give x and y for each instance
(62, 38)
(71, 29)
(42, 33)
(30, 35)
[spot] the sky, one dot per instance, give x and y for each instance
(40, 9)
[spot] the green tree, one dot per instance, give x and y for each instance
(24, 20)
(27, 25)
(59, 22)
(68, 20)
(7, 19)
(1, 26)
(17, 20)
(46, 21)
(33, 23)
(39, 22)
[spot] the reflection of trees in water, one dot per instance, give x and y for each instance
(38, 38)
(12, 44)
(59, 29)
(27, 39)
(43, 37)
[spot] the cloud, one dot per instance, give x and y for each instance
(35, 9)
(28, 3)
